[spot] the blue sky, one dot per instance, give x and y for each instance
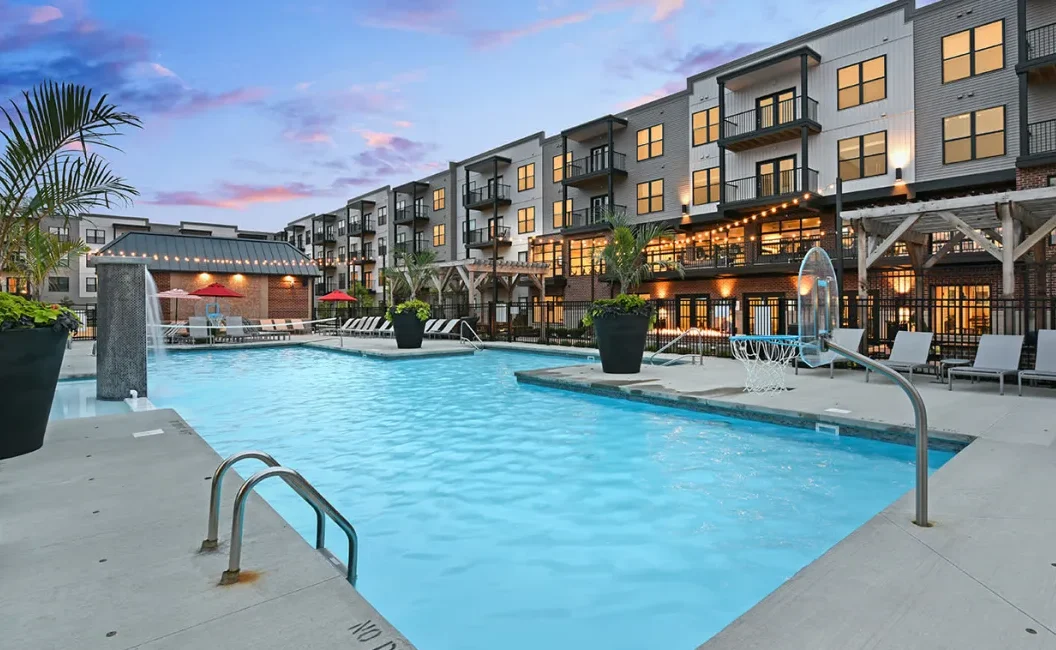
(256, 113)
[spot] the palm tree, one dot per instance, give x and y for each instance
(41, 254)
(624, 254)
(49, 166)
(414, 273)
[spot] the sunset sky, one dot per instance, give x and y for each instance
(256, 113)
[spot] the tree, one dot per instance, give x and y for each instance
(41, 253)
(624, 255)
(413, 273)
(362, 296)
(49, 166)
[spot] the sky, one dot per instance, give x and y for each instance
(259, 112)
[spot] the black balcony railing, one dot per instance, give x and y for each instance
(593, 216)
(320, 289)
(401, 247)
(477, 195)
(1041, 42)
(786, 112)
(595, 163)
(708, 255)
(1042, 137)
(785, 251)
(488, 235)
(325, 236)
(409, 215)
(357, 228)
(774, 185)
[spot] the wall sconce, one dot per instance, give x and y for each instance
(685, 208)
(898, 174)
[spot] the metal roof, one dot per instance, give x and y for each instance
(192, 254)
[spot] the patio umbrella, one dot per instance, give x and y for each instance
(337, 296)
(176, 295)
(217, 291)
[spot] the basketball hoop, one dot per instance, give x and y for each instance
(765, 360)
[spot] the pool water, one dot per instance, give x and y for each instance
(495, 515)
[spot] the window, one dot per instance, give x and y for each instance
(526, 177)
(863, 156)
(526, 219)
(706, 186)
(381, 246)
(559, 165)
(651, 196)
(706, 126)
(651, 142)
(368, 279)
(559, 214)
(367, 250)
(91, 284)
(383, 214)
(553, 310)
(58, 283)
(439, 199)
(973, 136)
(341, 281)
(973, 52)
(583, 254)
(62, 232)
(93, 236)
(962, 309)
(341, 228)
(341, 253)
(419, 240)
(788, 240)
(17, 285)
(522, 256)
(439, 234)
(550, 253)
(1052, 181)
(861, 83)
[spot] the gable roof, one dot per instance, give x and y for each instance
(166, 252)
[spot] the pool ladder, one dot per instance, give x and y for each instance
(301, 486)
(693, 357)
(462, 338)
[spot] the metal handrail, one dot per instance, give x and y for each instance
(692, 330)
(462, 338)
(920, 415)
(303, 488)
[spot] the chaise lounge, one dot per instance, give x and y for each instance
(909, 352)
(1044, 361)
(997, 356)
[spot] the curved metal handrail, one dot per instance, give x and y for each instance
(697, 330)
(303, 488)
(211, 541)
(463, 338)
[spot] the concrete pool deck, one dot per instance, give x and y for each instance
(99, 549)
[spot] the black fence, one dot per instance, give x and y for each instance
(87, 315)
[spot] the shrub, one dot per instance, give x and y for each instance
(618, 306)
(17, 313)
(419, 307)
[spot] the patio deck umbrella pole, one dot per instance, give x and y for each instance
(337, 296)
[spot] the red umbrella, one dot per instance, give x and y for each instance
(216, 290)
(337, 296)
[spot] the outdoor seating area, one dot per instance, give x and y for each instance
(233, 329)
(435, 328)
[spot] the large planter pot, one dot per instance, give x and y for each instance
(621, 342)
(409, 330)
(30, 361)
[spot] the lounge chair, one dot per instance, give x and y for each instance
(447, 331)
(336, 329)
(236, 330)
(198, 328)
(909, 352)
(434, 325)
(845, 338)
(997, 356)
(270, 328)
(371, 325)
(298, 326)
(385, 329)
(176, 333)
(1044, 361)
(350, 326)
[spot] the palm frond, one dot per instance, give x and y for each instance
(624, 254)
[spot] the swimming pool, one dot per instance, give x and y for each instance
(496, 515)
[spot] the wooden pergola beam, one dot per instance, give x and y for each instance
(890, 240)
(971, 233)
(1036, 237)
(946, 249)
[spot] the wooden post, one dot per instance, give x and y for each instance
(863, 272)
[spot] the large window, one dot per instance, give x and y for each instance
(559, 214)
(439, 199)
(651, 196)
(651, 142)
(550, 253)
(17, 285)
(788, 240)
(582, 256)
(973, 51)
(368, 279)
(58, 283)
(706, 126)
(553, 310)
(706, 186)
(526, 177)
(973, 136)
(863, 156)
(559, 165)
(962, 309)
(94, 236)
(62, 232)
(526, 219)
(383, 215)
(439, 234)
(862, 83)
(91, 284)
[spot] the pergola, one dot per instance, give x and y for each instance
(1006, 225)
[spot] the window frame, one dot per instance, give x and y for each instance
(861, 83)
(522, 224)
(706, 128)
(91, 284)
(526, 181)
(861, 157)
(52, 278)
(649, 143)
(439, 235)
(439, 199)
(95, 236)
(650, 197)
(973, 136)
(707, 187)
(567, 211)
(972, 52)
(557, 174)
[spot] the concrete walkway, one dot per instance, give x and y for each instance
(99, 549)
(385, 347)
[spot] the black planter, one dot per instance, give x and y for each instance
(30, 361)
(409, 330)
(621, 342)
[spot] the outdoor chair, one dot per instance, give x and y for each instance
(997, 356)
(198, 328)
(1044, 360)
(909, 352)
(434, 325)
(385, 329)
(447, 331)
(235, 329)
(429, 325)
(336, 329)
(845, 338)
(350, 326)
(176, 333)
(298, 326)
(368, 326)
(269, 328)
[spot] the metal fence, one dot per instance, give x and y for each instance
(87, 315)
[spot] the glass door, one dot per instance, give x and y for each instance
(776, 177)
(597, 207)
(599, 158)
(772, 110)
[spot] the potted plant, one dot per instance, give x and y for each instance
(622, 323)
(408, 317)
(50, 167)
(32, 343)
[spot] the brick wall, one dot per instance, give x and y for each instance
(264, 296)
(289, 299)
(578, 288)
(1034, 177)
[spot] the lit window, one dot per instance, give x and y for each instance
(439, 199)
(973, 51)
(559, 214)
(863, 156)
(439, 235)
(862, 83)
(526, 219)
(651, 142)
(526, 177)
(651, 197)
(583, 256)
(559, 165)
(961, 309)
(549, 253)
(706, 126)
(706, 186)
(973, 136)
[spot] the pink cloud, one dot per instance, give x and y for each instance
(425, 16)
(402, 124)
(234, 196)
(309, 137)
(161, 70)
(44, 14)
(664, 9)
(500, 37)
(376, 140)
(201, 101)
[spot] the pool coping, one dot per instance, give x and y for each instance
(937, 440)
(394, 355)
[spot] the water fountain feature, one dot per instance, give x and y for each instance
(121, 322)
(155, 326)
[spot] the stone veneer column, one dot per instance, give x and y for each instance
(121, 327)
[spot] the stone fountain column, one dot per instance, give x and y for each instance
(121, 327)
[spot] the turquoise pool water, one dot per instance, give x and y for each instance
(494, 515)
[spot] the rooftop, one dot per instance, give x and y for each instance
(166, 252)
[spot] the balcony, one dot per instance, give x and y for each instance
(762, 126)
(768, 188)
(325, 236)
(592, 218)
(595, 166)
(488, 237)
(401, 248)
(714, 256)
(408, 216)
(359, 228)
(320, 289)
(785, 251)
(326, 262)
(365, 258)
(1040, 58)
(475, 198)
(1042, 144)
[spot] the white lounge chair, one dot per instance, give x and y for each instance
(369, 325)
(337, 329)
(429, 325)
(298, 326)
(447, 331)
(385, 329)
(437, 324)
(849, 338)
(236, 330)
(1044, 361)
(198, 328)
(997, 356)
(909, 352)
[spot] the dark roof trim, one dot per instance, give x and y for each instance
(362, 205)
(366, 196)
(486, 164)
(186, 253)
(538, 136)
(411, 187)
(595, 122)
(769, 61)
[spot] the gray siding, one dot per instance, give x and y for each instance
(551, 190)
(1040, 13)
(935, 100)
(673, 166)
(1041, 102)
